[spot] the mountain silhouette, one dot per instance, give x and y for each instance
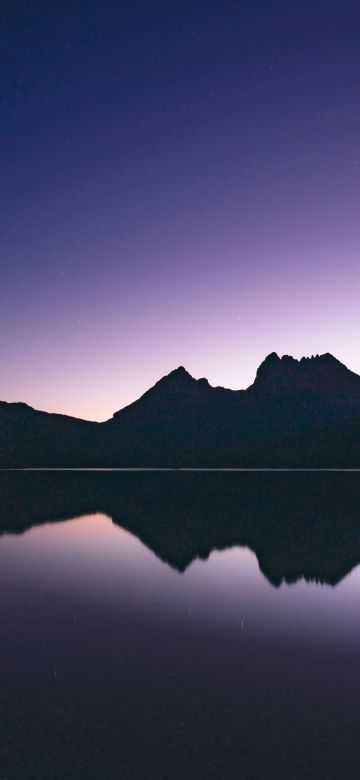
(297, 413)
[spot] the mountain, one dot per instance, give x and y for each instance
(296, 413)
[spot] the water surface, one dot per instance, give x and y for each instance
(179, 625)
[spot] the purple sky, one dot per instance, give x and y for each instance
(180, 185)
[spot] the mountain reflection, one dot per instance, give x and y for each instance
(299, 524)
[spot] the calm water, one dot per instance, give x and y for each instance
(179, 625)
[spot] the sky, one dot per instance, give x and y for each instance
(179, 185)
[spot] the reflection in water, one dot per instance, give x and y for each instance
(140, 639)
(298, 524)
(92, 557)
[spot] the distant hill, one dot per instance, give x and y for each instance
(296, 413)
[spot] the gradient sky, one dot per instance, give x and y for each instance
(180, 184)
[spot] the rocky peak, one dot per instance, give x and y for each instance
(317, 373)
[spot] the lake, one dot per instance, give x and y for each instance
(179, 625)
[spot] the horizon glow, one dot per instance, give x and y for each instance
(181, 187)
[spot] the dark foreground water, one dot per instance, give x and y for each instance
(179, 625)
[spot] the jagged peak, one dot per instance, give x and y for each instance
(282, 368)
(179, 377)
(178, 373)
(174, 382)
(271, 359)
(274, 359)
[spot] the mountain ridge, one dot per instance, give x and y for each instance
(296, 412)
